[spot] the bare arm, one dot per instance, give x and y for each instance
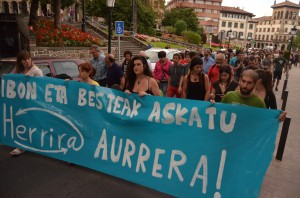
(207, 84)
(184, 87)
(154, 87)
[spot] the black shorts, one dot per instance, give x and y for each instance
(277, 75)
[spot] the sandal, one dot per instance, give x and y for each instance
(17, 152)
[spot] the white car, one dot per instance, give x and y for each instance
(153, 58)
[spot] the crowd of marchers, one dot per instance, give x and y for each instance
(240, 77)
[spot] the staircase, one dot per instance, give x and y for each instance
(126, 45)
(126, 42)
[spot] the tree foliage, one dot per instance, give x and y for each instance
(191, 37)
(123, 12)
(180, 26)
(296, 41)
(185, 14)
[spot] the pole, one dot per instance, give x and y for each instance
(285, 97)
(109, 30)
(229, 42)
(83, 28)
(119, 49)
(283, 137)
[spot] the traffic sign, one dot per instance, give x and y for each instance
(119, 27)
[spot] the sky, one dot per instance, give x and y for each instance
(258, 7)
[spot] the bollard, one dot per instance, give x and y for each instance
(284, 87)
(283, 137)
(284, 100)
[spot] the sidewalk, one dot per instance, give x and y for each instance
(283, 177)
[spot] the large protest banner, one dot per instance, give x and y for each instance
(181, 147)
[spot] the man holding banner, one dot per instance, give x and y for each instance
(245, 95)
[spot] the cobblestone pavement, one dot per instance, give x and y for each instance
(283, 177)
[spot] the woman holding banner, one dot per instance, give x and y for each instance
(139, 78)
(86, 73)
(196, 83)
(224, 84)
(25, 66)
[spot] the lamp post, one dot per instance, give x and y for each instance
(110, 4)
(83, 26)
(229, 35)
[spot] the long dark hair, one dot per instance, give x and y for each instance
(227, 69)
(22, 55)
(266, 79)
(131, 76)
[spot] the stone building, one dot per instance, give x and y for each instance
(274, 31)
(238, 25)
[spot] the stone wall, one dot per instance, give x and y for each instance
(82, 53)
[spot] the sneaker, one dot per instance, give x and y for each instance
(17, 152)
(276, 89)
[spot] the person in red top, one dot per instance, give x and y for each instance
(213, 72)
(161, 71)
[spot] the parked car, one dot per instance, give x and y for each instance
(63, 68)
(152, 55)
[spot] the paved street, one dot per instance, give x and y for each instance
(32, 175)
(283, 177)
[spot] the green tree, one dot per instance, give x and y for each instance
(191, 37)
(180, 26)
(296, 41)
(122, 12)
(185, 14)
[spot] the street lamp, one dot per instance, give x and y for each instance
(110, 4)
(229, 35)
(83, 26)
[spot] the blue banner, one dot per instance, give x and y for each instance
(185, 148)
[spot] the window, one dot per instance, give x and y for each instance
(229, 24)
(242, 25)
(250, 26)
(236, 25)
(45, 69)
(264, 29)
(216, 3)
(285, 30)
(208, 2)
(250, 35)
(277, 30)
(267, 37)
(65, 68)
(258, 37)
(271, 37)
(268, 30)
(241, 34)
(263, 37)
(215, 11)
(208, 11)
(273, 29)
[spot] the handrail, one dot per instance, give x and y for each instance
(99, 25)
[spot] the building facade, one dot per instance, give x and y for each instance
(207, 11)
(14, 7)
(238, 25)
(275, 31)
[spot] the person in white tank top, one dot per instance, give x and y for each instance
(25, 66)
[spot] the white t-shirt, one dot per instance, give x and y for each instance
(34, 71)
